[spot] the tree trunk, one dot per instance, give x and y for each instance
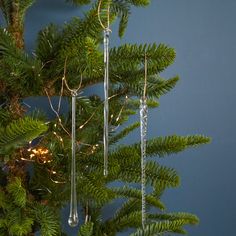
(16, 29)
(16, 24)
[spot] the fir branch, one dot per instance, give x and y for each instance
(132, 193)
(156, 86)
(17, 224)
(140, 3)
(18, 192)
(187, 217)
(160, 56)
(94, 189)
(19, 132)
(159, 228)
(123, 133)
(21, 73)
(163, 146)
(154, 174)
(86, 229)
(48, 220)
(3, 200)
(48, 44)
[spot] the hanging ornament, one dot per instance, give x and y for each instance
(73, 217)
(106, 106)
(143, 122)
(106, 33)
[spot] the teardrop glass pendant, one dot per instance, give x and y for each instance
(73, 219)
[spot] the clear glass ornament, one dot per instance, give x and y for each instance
(106, 94)
(73, 219)
(143, 123)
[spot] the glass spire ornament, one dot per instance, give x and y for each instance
(143, 129)
(73, 217)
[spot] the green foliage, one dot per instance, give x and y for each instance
(123, 133)
(79, 2)
(9, 6)
(136, 194)
(20, 72)
(86, 229)
(32, 201)
(17, 225)
(18, 192)
(48, 44)
(48, 220)
(4, 117)
(189, 218)
(163, 146)
(19, 132)
(160, 56)
(160, 227)
(18, 212)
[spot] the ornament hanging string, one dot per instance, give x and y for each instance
(106, 34)
(143, 121)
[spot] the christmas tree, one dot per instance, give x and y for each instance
(35, 152)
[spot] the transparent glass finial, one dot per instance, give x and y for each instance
(73, 219)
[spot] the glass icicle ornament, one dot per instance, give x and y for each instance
(143, 122)
(106, 106)
(143, 129)
(73, 217)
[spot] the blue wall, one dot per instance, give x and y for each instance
(203, 33)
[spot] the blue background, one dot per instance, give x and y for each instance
(203, 33)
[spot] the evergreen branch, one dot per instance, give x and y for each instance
(17, 224)
(122, 9)
(131, 220)
(159, 228)
(19, 132)
(180, 231)
(24, 6)
(3, 200)
(48, 220)
(136, 194)
(187, 217)
(7, 44)
(10, 7)
(94, 189)
(123, 133)
(124, 165)
(159, 56)
(131, 205)
(172, 144)
(154, 174)
(4, 117)
(79, 2)
(5, 6)
(20, 72)
(17, 192)
(140, 3)
(156, 86)
(86, 229)
(48, 44)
